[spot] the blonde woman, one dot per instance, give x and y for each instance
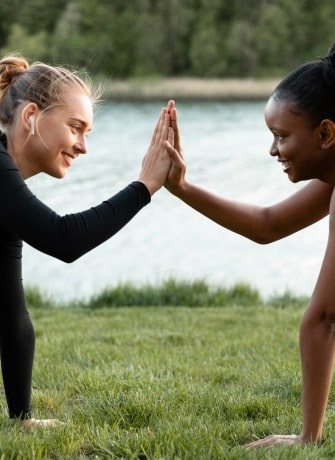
(45, 115)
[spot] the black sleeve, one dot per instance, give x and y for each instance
(64, 237)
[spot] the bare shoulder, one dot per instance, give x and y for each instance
(332, 209)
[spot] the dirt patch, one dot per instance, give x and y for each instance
(195, 89)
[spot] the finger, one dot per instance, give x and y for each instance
(174, 125)
(163, 129)
(166, 126)
(260, 443)
(170, 105)
(171, 150)
(170, 136)
(158, 127)
(173, 153)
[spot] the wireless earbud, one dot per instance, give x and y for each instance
(32, 124)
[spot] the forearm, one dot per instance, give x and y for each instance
(317, 344)
(69, 237)
(242, 218)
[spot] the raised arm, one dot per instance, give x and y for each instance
(260, 224)
(69, 237)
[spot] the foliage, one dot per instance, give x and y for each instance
(204, 38)
(170, 293)
(36, 299)
(175, 293)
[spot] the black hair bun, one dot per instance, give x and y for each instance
(328, 67)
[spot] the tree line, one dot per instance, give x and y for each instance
(137, 38)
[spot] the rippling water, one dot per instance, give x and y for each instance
(226, 147)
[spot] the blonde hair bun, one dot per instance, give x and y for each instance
(44, 85)
(11, 67)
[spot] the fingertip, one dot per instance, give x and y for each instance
(170, 105)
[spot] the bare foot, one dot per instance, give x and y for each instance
(35, 423)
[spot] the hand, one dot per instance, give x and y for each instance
(276, 440)
(176, 176)
(156, 163)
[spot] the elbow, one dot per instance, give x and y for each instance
(264, 239)
(69, 260)
(264, 235)
(266, 231)
(66, 257)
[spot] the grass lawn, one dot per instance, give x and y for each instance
(165, 383)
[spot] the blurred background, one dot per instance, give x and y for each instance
(203, 38)
(225, 143)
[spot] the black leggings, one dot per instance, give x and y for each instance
(17, 355)
(17, 341)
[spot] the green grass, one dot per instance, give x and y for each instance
(169, 382)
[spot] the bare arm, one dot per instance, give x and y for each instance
(317, 349)
(317, 342)
(260, 224)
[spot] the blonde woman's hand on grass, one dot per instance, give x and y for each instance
(276, 440)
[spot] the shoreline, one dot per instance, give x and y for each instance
(188, 89)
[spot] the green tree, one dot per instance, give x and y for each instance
(207, 38)
(39, 15)
(8, 8)
(32, 47)
(319, 24)
(83, 37)
(208, 49)
(163, 31)
(241, 49)
(273, 41)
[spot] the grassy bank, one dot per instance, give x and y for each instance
(186, 89)
(172, 293)
(164, 383)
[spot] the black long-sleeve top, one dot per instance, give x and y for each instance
(24, 217)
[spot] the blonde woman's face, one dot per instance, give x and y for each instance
(60, 136)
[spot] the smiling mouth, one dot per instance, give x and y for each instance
(285, 165)
(68, 157)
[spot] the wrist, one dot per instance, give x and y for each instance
(150, 186)
(179, 190)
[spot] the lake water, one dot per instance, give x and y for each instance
(226, 147)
